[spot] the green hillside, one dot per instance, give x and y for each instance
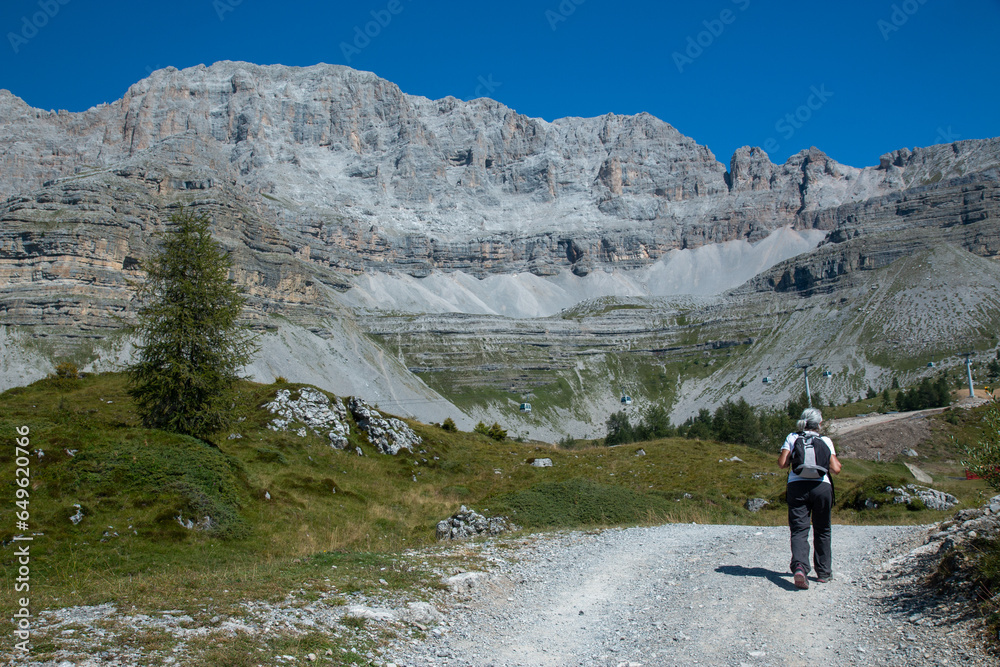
(283, 508)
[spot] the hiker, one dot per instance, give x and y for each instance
(809, 493)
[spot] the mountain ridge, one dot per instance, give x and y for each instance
(325, 182)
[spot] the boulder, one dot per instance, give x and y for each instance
(372, 613)
(756, 504)
(311, 409)
(388, 435)
(421, 613)
(466, 582)
(468, 523)
(932, 499)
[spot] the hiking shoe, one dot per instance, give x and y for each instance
(800, 579)
(825, 579)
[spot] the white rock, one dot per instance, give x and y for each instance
(466, 582)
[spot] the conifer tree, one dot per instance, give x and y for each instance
(191, 345)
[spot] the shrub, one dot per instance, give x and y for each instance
(280, 379)
(449, 425)
(983, 459)
(67, 370)
(567, 442)
(482, 429)
(871, 492)
(497, 433)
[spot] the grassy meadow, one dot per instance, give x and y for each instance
(285, 509)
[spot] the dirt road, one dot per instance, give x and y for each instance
(690, 594)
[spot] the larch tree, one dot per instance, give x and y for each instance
(191, 344)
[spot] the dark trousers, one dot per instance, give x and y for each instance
(810, 500)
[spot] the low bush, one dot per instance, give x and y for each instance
(578, 502)
(871, 492)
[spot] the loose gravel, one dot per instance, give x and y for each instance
(695, 595)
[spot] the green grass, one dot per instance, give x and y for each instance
(287, 509)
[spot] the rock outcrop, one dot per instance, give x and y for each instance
(466, 523)
(931, 498)
(311, 410)
(388, 434)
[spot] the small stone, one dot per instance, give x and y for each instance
(756, 504)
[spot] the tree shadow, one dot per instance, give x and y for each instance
(779, 579)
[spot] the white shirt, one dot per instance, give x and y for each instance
(790, 442)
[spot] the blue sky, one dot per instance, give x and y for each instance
(854, 78)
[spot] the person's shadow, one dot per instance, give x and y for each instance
(778, 579)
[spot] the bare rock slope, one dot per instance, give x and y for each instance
(348, 205)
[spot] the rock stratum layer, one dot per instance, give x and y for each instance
(382, 236)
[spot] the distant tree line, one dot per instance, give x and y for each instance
(762, 428)
(925, 395)
(733, 421)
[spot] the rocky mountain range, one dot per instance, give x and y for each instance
(453, 258)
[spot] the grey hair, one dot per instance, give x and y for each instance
(810, 420)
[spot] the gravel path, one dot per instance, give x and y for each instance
(693, 594)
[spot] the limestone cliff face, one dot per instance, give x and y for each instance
(402, 182)
(961, 212)
(315, 175)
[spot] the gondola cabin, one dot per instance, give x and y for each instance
(525, 407)
(827, 374)
(767, 380)
(626, 400)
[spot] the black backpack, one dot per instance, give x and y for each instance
(810, 457)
